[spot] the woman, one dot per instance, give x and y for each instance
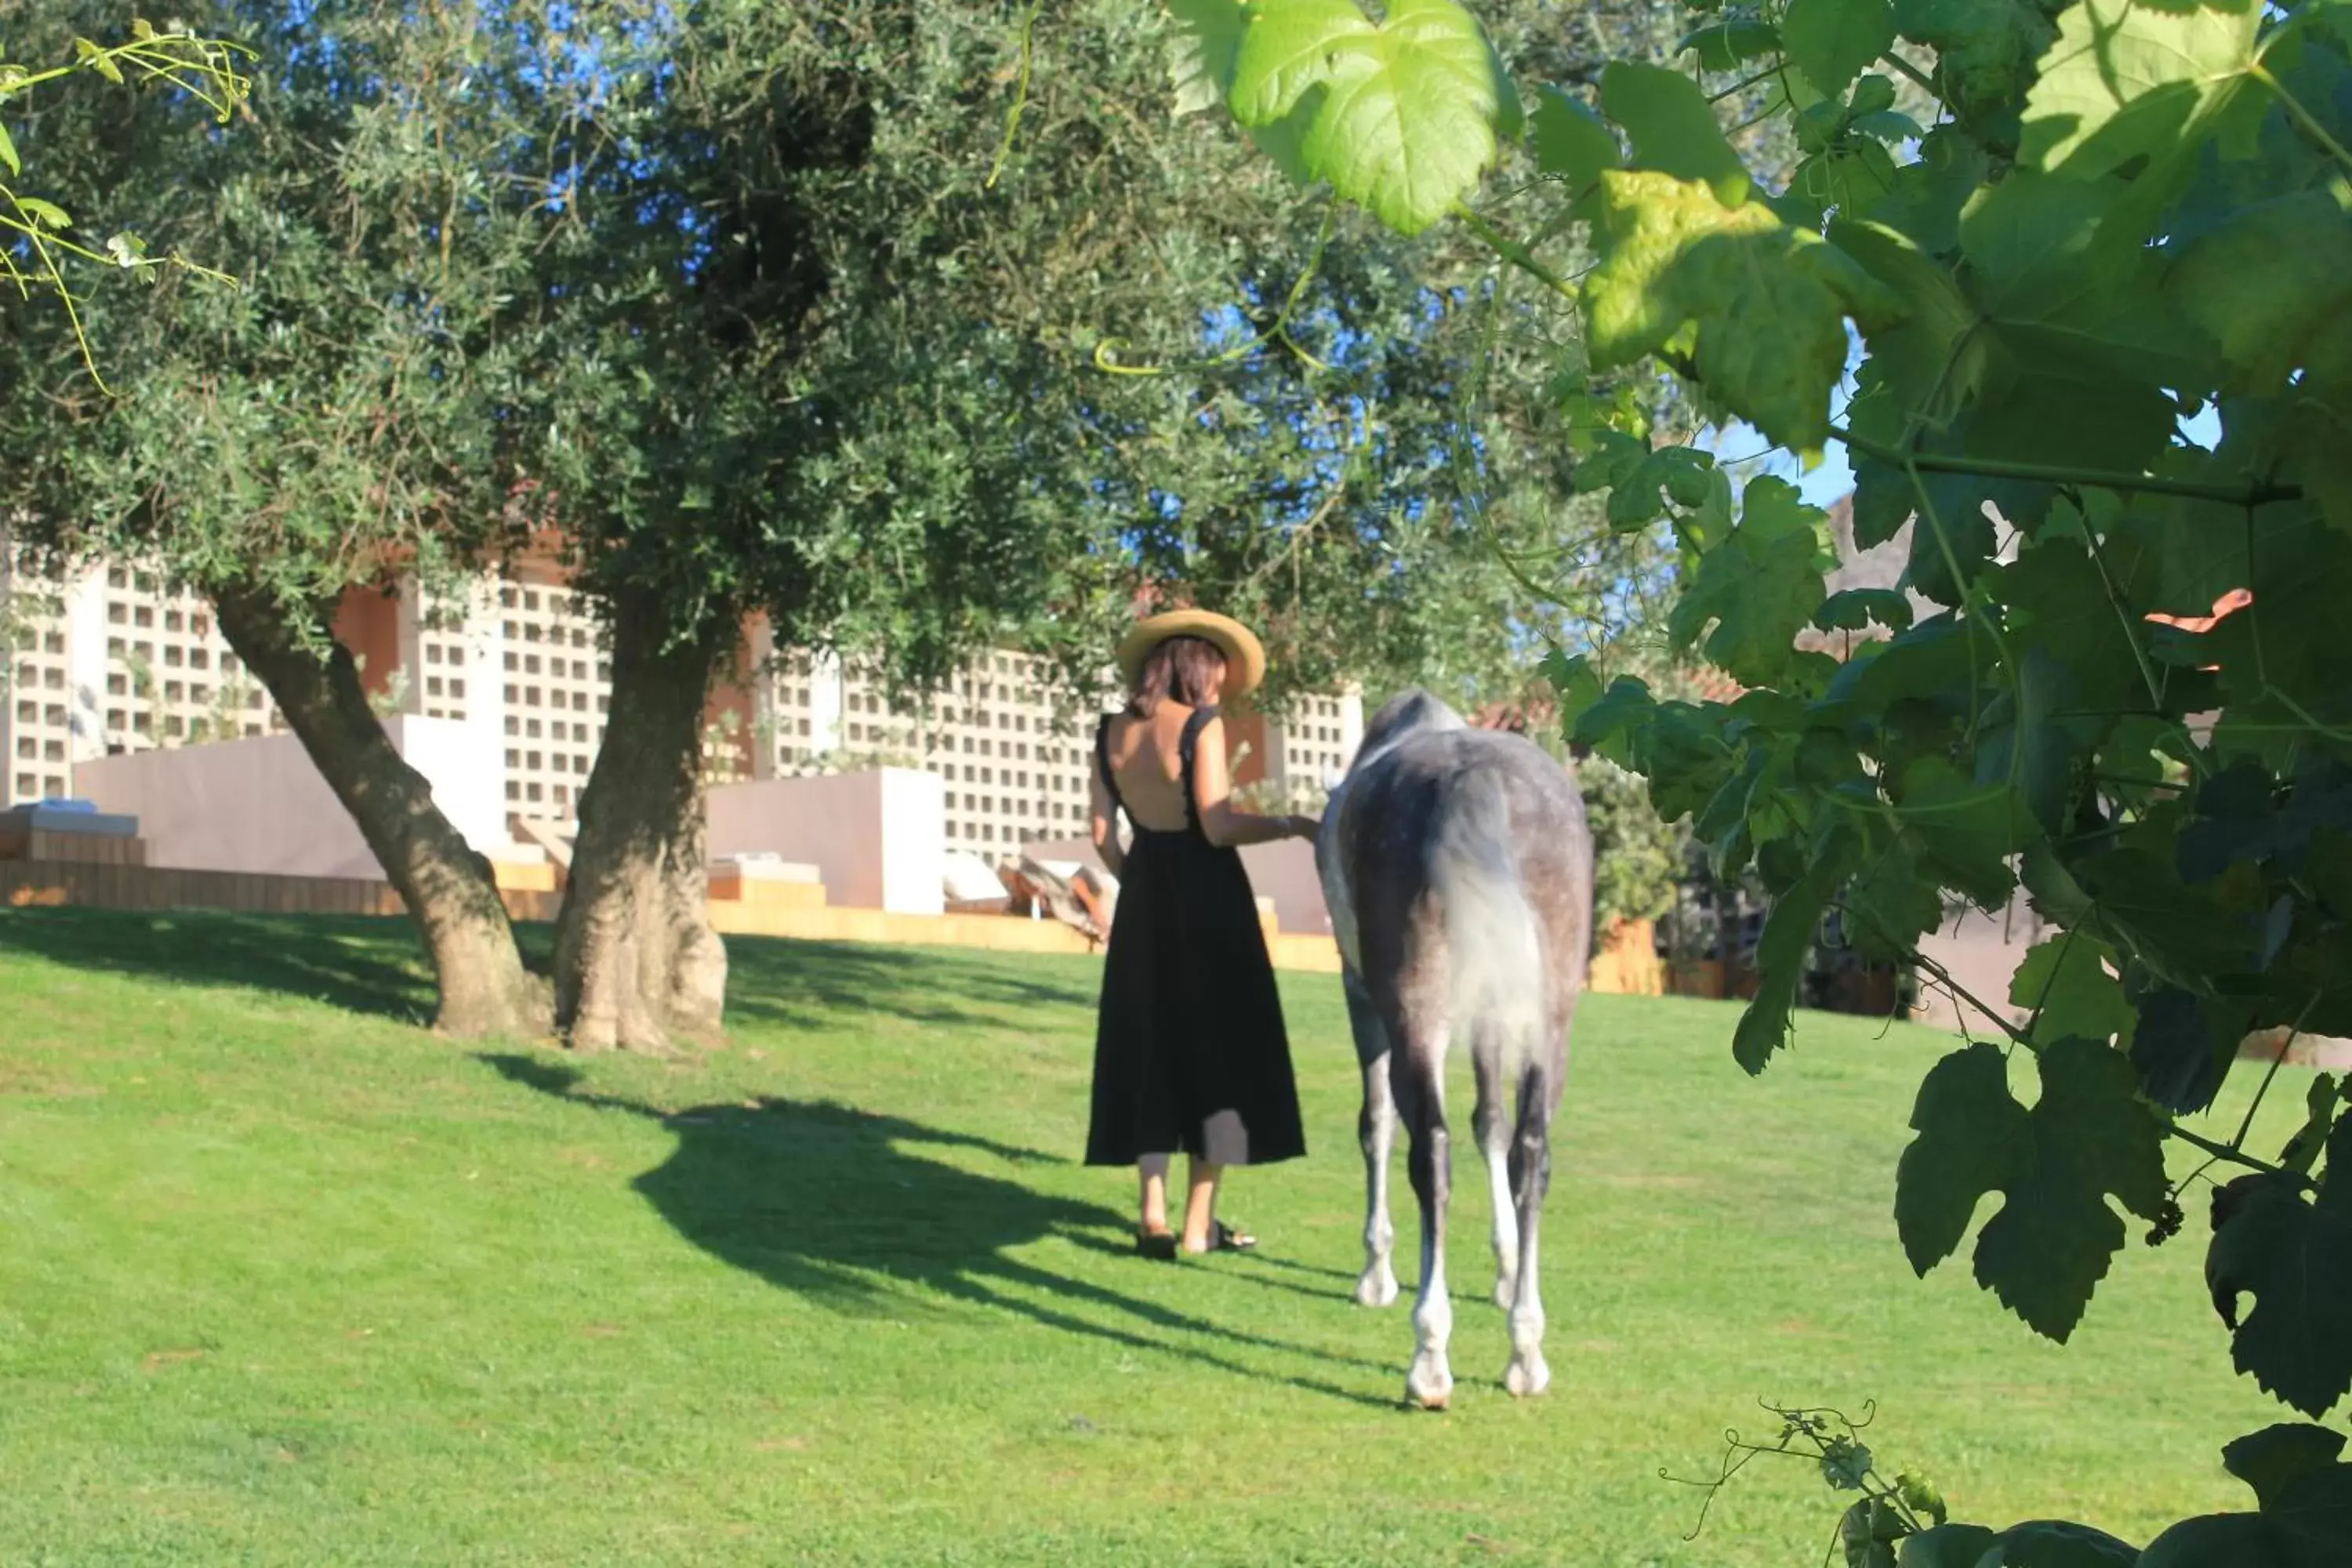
(1190, 1050)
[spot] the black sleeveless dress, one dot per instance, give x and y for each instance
(1190, 1023)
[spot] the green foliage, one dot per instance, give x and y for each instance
(2293, 1253)
(37, 247)
(2128, 696)
(2088, 1136)
(1402, 115)
(1637, 857)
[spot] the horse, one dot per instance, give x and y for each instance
(1457, 867)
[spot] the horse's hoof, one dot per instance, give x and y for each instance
(1376, 1291)
(1427, 1390)
(1526, 1379)
(1429, 1401)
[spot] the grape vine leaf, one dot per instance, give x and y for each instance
(2305, 1495)
(2319, 1104)
(2050, 1244)
(1573, 680)
(1948, 1546)
(1673, 127)
(2127, 81)
(2268, 285)
(2025, 743)
(1573, 143)
(2138, 902)
(1892, 904)
(2061, 1543)
(1759, 587)
(1400, 116)
(2183, 1045)
(1974, 1137)
(2311, 1521)
(1761, 304)
(1604, 724)
(1928, 191)
(1928, 362)
(1681, 751)
(1834, 41)
(1854, 609)
(2213, 1541)
(2272, 1459)
(1789, 929)
(2065, 984)
(1723, 46)
(1985, 51)
(1969, 830)
(1207, 35)
(2293, 1254)
(2087, 1137)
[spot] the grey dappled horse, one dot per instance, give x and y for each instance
(1458, 871)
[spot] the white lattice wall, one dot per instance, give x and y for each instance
(37, 720)
(557, 684)
(171, 679)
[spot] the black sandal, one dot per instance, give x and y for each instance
(1224, 1237)
(1156, 1245)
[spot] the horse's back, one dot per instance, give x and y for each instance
(1464, 848)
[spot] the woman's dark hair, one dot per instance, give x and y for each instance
(1183, 669)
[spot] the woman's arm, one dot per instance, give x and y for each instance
(1224, 824)
(1106, 823)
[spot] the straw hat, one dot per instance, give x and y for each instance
(1245, 656)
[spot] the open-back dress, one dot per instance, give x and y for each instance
(1190, 1024)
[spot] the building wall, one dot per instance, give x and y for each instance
(113, 661)
(258, 806)
(872, 837)
(521, 668)
(1012, 754)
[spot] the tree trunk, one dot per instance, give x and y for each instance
(446, 884)
(636, 961)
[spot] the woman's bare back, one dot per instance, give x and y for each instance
(1147, 765)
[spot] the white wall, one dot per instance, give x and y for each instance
(877, 839)
(258, 806)
(914, 841)
(460, 759)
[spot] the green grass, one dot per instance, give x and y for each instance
(285, 1280)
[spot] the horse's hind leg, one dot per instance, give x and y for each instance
(1490, 1124)
(1539, 1093)
(1417, 1071)
(1376, 1132)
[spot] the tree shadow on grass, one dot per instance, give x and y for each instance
(775, 981)
(841, 1206)
(364, 965)
(375, 966)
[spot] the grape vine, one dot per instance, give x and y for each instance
(2059, 232)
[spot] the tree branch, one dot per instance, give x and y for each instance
(2096, 478)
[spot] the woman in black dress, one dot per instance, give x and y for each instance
(1190, 1050)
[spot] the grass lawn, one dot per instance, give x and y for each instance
(285, 1280)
